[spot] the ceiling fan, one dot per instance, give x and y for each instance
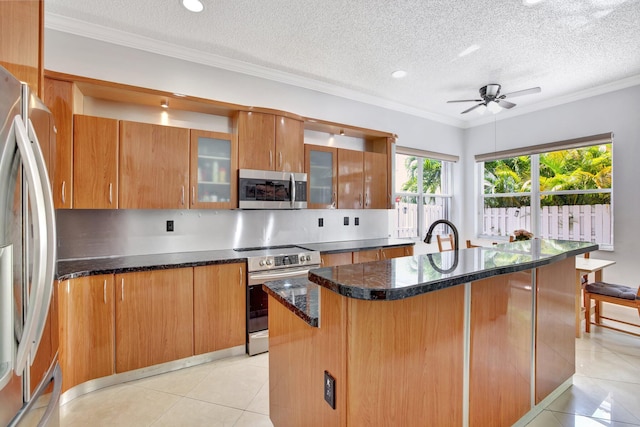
(493, 101)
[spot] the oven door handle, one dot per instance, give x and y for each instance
(258, 278)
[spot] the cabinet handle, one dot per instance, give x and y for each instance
(333, 200)
(270, 158)
(104, 291)
(193, 195)
(241, 276)
(110, 193)
(360, 199)
(377, 256)
(62, 192)
(366, 200)
(182, 198)
(280, 160)
(121, 289)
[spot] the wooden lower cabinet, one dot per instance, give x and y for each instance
(219, 307)
(154, 317)
(396, 252)
(86, 329)
(331, 260)
(366, 256)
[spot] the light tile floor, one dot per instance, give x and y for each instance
(234, 392)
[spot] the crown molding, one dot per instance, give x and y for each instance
(109, 35)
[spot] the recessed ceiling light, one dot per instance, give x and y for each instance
(531, 2)
(193, 5)
(179, 95)
(399, 74)
(164, 103)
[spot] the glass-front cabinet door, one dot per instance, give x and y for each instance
(214, 166)
(322, 171)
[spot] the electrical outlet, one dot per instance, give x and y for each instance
(356, 221)
(330, 389)
(346, 220)
(320, 222)
(170, 225)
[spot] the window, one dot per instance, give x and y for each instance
(422, 191)
(563, 193)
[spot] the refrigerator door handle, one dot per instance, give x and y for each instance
(49, 214)
(36, 198)
(7, 346)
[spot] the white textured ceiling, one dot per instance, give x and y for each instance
(570, 48)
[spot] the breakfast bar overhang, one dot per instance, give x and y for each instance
(477, 337)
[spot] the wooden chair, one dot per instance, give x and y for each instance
(470, 245)
(613, 294)
(448, 238)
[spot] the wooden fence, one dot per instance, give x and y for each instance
(589, 223)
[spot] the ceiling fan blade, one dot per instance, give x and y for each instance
(466, 100)
(521, 92)
(505, 104)
(472, 108)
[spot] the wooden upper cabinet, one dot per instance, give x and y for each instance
(321, 166)
(289, 146)
(87, 334)
(95, 154)
(58, 96)
(153, 166)
(256, 132)
(21, 40)
(213, 173)
(350, 179)
(375, 181)
(269, 142)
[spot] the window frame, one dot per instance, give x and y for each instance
(535, 193)
(446, 184)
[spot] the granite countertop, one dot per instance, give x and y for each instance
(405, 277)
(298, 295)
(356, 245)
(73, 268)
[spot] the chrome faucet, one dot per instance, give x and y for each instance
(427, 239)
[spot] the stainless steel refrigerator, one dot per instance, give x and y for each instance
(27, 257)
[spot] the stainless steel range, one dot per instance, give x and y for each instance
(265, 265)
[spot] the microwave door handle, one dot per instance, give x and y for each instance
(293, 190)
(49, 215)
(36, 198)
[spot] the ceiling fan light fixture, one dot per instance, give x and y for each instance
(193, 5)
(481, 109)
(493, 107)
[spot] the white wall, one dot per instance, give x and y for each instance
(617, 112)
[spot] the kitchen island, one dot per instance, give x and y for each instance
(478, 337)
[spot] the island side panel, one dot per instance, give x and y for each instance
(405, 360)
(501, 349)
(298, 356)
(555, 334)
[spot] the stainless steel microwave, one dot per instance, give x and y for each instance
(259, 189)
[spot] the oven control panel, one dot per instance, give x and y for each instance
(283, 261)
